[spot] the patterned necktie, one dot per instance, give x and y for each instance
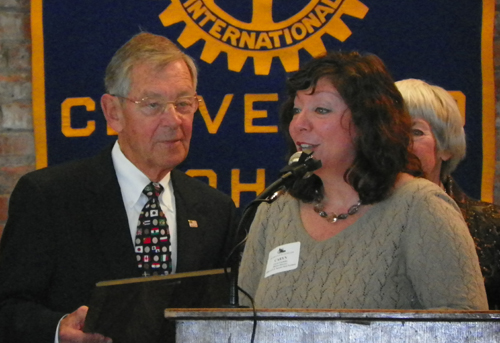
(152, 240)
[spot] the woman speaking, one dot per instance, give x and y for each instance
(364, 231)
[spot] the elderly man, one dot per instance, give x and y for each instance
(73, 225)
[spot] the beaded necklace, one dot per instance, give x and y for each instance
(333, 217)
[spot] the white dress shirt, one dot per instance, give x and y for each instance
(132, 182)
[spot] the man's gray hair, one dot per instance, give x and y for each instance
(144, 47)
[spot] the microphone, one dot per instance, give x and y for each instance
(300, 165)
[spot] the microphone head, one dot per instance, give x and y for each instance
(301, 165)
(295, 157)
(299, 156)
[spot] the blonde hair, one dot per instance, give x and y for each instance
(437, 107)
(143, 48)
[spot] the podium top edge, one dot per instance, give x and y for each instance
(318, 314)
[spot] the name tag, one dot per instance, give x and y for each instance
(283, 258)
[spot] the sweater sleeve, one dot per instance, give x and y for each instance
(441, 260)
(253, 260)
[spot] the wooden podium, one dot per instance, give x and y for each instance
(321, 326)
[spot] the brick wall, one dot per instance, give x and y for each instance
(17, 151)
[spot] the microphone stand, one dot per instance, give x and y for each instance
(289, 174)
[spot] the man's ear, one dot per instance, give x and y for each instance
(112, 110)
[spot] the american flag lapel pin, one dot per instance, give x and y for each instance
(193, 223)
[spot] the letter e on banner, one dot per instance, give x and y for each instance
(251, 114)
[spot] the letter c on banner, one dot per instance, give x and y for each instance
(66, 106)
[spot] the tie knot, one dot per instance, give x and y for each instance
(153, 189)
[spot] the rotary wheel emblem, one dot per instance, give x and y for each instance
(262, 38)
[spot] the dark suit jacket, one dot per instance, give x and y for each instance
(68, 229)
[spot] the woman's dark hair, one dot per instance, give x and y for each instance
(381, 122)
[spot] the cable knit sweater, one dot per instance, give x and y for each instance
(410, 251)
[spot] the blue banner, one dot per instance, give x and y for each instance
(245, 51)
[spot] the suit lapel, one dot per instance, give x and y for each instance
(190, 237)
(104, 206)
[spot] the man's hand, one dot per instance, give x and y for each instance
(70, 329)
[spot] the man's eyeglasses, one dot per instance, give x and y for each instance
(154, 106)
